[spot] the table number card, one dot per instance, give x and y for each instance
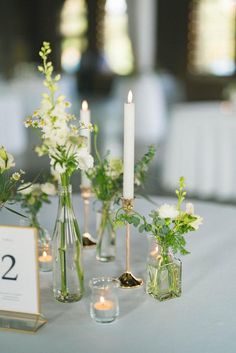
(19, 279)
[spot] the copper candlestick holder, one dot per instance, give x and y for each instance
(87, 238)
(127, 279)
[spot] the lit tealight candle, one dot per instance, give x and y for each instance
(85, 119)
(45, 262)
(104, 304)
(45, 257)
(129, 127)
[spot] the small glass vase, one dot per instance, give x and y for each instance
(106, 235)
(68, 278)
(164, 273)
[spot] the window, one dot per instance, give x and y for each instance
(212, 37)
(73, 27)
(117, 44)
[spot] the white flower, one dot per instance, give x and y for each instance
(36, 189)
(59, 111)
(6, 160)
(56, 176)
(48, 188)
(58, 168)
(197, 222)
(10, 161)
(46, 105)
(40, 150)
(168, 211)
(16, 176)
(84, 159)
(25, 189)
(115, 168)
(2, 164)
(56, 134)
(189, 208)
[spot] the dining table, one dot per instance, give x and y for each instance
(201, 320)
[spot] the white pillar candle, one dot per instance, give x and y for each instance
(85, 119)
(128, 153)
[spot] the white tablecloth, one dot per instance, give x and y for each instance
(201, 145)
(202, 320)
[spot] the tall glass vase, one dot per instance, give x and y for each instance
(164, 273)
(106, 235)
(68, 278)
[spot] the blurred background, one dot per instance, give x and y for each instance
(178, 58)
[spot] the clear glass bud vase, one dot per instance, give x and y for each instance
(106, 235)
(68, 279)
(164, 272)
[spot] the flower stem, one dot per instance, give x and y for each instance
(65, 202)
(105, 224)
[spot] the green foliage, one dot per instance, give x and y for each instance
(169, 231)
(107, 174)
(32, 197)
(61, 139)
(142, 166)
(9, 184)
(47, 69)
(105, 187)
(131, 217)
(181, 194)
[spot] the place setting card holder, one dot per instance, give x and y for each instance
(19, 280)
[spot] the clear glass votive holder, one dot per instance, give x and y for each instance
(45, 257)
(104, 305)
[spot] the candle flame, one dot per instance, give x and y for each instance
(84, 105)
(102, 299)
(130, 96)
(44, 253)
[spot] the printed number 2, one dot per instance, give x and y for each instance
(13, 261)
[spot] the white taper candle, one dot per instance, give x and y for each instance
(85, 118)
(128, 153)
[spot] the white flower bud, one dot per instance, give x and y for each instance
(49, 189)
(168, 211)
(189, 208)
(197, 222)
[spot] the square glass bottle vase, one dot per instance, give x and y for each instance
(164, 274)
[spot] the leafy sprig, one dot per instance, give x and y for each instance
(8, 188)
(169, 231)
(142, 166)
(32, 197)
(47, 69)
(9, 182)
(107, 174)
(61, 140)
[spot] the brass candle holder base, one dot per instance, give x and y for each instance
(127, 279)
(87, 238)
(88, 241)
